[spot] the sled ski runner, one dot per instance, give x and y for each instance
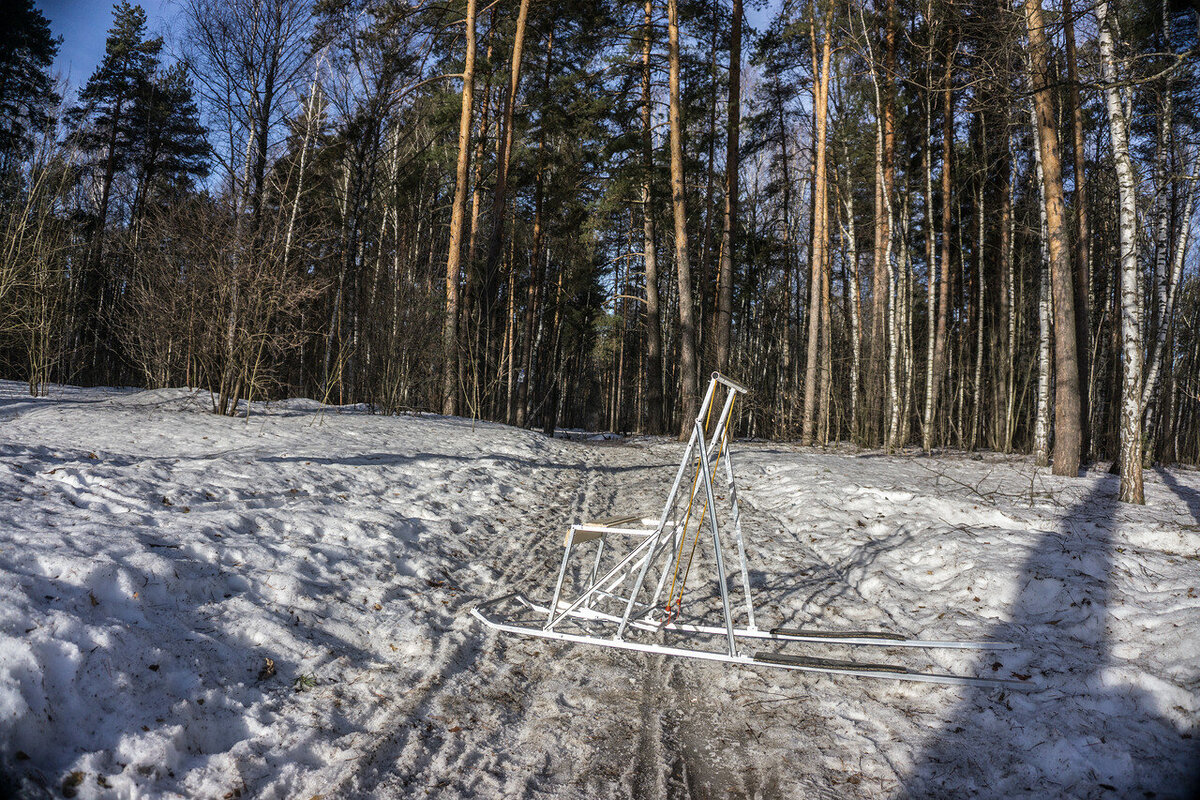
(800, 663)
(630, 592)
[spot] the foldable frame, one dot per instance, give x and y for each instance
(633, 608)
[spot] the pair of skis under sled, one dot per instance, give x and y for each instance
(630, 591)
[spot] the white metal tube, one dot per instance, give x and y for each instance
(730, 382)
(737, 535)
(716, 536)
(562, 575)
(706, 655)
(815, 637)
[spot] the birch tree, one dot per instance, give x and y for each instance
(1130, 457)
(1041, 419)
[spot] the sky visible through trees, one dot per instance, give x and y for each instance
(918, 224)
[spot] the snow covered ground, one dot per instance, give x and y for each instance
(279, 608)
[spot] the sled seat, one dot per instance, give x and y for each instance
(633, 525)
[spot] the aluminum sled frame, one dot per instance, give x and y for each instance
(630, 621)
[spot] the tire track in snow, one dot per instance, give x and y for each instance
(405, 760)
(642, 732)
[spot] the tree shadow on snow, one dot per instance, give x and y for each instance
(1073, 731)
(1189, 496)
(803, 596)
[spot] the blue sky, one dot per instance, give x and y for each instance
(83, 26)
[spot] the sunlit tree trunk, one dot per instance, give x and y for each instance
(1173, 275)
(504, 151)
(1130, 458)
(1067, 436)
(931, 280)
(854, 290)
(943, 311)
(1083, 253)
(653, 362)
(729, 225)
(885, 108)
(457, 216)
(820, 245)
(687, 324)
(1041, 422)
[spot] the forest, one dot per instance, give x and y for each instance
(905, 224)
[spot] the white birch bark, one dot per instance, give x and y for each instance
(975, 410)
(309, 112)
(1170, 285)
(1041, 425)
(848, 230)
(931, 293)
(1131, 323)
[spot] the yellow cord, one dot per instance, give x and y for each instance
(671, 600)
(688, 516)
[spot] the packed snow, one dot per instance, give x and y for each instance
(278, 607)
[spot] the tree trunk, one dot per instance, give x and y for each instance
(1041, 424)
(855, 303)
(820, 244)
(500, 198)
(885, 109)
(653, 363)
(729, 225)
(976, 411)
(931, 281)
(537, 272)
(469, 310)
(1067, 435)
(943, 312)
(687, 324)
(457, 216)
(1173, 275)
(1083, 255)
(1130, 458)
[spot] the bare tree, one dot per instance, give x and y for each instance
(250, 57)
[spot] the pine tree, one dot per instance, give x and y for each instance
(103, 130)
(27, 50)
(103, 123)
(168, 144)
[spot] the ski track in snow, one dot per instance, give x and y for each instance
(152, 556)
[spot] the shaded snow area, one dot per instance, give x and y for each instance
(206, 607)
